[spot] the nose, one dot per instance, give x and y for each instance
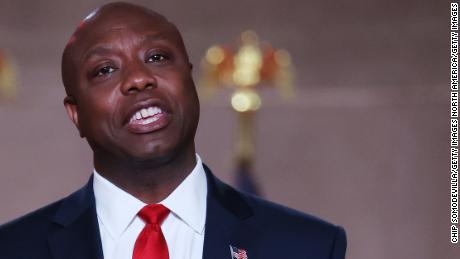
(138, 78)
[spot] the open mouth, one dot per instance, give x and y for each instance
(148, 119)
(146, 115)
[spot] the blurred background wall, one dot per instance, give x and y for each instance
(365, 144)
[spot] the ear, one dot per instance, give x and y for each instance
(70, 105)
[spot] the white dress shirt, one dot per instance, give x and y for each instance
(183, 228)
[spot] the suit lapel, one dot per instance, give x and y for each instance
(225, 220)
(79, 236)
(226, 216)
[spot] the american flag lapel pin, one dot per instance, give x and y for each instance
(238, 253)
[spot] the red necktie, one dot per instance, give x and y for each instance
(151, 244)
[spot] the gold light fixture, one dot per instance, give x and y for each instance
(251, 66)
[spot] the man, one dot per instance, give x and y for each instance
(131, 95)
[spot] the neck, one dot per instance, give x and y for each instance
(150, 181)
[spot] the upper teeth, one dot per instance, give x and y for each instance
(146, 112)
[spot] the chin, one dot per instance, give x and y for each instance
(156, 154)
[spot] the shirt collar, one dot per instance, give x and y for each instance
(116, 208)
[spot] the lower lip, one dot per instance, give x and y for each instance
(162, 120)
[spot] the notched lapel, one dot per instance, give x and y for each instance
(79, 236)
(225, 220)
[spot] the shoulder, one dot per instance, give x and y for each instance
(270, 219)
(280, 226)
(49, 217)
(32, 221)
(29, 232)
(28, 235)
(284, 229)
(283, 219)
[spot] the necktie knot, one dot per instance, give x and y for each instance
(151, 242)
(153, 213)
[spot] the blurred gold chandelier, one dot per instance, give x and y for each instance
(253, 65)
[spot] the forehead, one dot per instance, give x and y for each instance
(124, 29)
(115, 28)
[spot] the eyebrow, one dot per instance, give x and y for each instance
(100, 50)
(103, 50)
(155, 37)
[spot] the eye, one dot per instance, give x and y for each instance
(104, 71)
(157, 57)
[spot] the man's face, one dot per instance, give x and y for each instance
(134, 97)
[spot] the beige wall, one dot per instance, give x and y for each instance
(364, 145)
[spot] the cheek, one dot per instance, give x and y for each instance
(179, 87)
(189, 102)
(186, 97)
(187, 88)
(181, 92)
(98, 112)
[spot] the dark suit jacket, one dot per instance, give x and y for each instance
(68, 229)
